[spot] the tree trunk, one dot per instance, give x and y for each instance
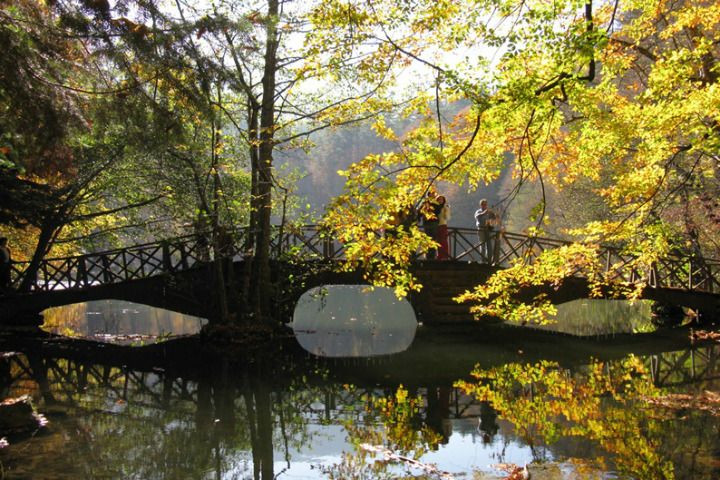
(264, 445)
(47, 233)
(249, 241)
(254, 138)
(261, 270)
(219, 235)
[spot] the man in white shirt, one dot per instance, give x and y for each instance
(485, 223)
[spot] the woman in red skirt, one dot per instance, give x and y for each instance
(442, 233)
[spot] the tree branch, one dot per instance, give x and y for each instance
(102, 213)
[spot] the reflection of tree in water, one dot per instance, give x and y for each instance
(438, 412)
(126, 424)
(488, 422)
(603, 317)
(392, 424)
(68, 320)
(223, 422)
(117, 317)
(607, 403)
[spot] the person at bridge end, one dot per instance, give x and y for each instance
(485, 219)
(5, 262)
(442, 232)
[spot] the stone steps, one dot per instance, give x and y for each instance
(443, 281)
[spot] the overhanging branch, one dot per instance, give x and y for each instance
(90, 216)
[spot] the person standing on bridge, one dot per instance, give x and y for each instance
(485, 222)
(5, 262)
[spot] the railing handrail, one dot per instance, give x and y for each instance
(313, 227)
(185, 251)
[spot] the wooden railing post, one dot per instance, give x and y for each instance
(166, 260)
(106, 269)
(653, 280)
(495, 254)
(452, 242)
(711, 279)
(126, 270)
(327, 248)
(183, 256)
(690, 274)
(15, 275)
(141, 270)
(82, 277)
(527, 252)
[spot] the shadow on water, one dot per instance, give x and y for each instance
(457, 402)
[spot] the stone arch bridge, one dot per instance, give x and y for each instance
(171, 273)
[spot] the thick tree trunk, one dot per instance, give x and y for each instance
(249, 241)
(261, 270)
(47, 232)
(219, 234)
(254, 138)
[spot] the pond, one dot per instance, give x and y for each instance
(463, 402)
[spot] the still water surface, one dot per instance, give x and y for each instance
(602, 317)
(460, 405)
(352, 321)
(119, 321)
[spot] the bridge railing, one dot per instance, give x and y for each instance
(118, 265)
(308, 240)
(505, 246)
(687, 272)
(182, 253)
(151, 259)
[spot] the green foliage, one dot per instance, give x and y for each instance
(503, 295)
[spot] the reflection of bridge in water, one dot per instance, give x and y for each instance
(78, 383)
(323, 398)
(185, 411)
(128, 273)
(685, 366)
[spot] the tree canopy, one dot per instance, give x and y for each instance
(139, 114)
(620, 98)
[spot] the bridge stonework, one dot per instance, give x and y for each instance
(177, 274)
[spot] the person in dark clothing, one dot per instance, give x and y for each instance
(400, 220)
(5, 262)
